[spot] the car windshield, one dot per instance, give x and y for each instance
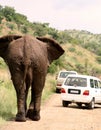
(76, 81)
(65, 74)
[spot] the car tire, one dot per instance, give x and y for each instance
(79, 104)
(57, 90)
(65, 103)
(91, 105)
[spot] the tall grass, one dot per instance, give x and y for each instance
(7, 101)
(8, 105)
(49, 88)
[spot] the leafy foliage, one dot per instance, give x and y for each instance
(98, 59)
(90, 41)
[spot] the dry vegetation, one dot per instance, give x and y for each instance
(81, 60)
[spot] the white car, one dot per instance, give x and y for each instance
(81, 89)
(61, 77)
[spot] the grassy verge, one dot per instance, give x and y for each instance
(49, 88)
(7, 101)
(8, 98)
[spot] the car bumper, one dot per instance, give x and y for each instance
(58, 87)
(76, 98)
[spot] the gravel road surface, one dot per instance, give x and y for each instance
(56, 117)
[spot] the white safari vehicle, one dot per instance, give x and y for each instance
(61, 77)
(81, 89)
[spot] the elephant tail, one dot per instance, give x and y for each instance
(26, 57)
(25, 74)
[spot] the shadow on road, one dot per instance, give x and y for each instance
(73, 106)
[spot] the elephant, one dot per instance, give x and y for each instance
(28, 59)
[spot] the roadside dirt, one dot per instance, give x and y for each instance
(56, 117)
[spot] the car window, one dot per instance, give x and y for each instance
(91, 83)
(76, 81)
(65, 74)
(99, 84)
(71, 73)
(95, 83)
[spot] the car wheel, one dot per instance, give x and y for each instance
(79, 104)
(57, 90)
(91, 105)
(65, 103)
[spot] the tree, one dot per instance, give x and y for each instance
(8, 13)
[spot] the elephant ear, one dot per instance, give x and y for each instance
(53, 48)
(5, 40)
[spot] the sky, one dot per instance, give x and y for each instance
(61, 14)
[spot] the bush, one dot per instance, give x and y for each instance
(72, 49)
(52, 69)
(80, 68)
(98, 59)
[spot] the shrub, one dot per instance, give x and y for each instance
(98, 59)
(72, 49)
(52, 69)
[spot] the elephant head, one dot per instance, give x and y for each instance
(28, 59)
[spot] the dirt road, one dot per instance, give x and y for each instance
(56, 117)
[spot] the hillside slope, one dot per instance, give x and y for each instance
(80, 59)
(82, 48)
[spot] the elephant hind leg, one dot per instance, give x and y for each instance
(20, 117)
(36, 93)
(34, 108)
(21, 94)
(33, 115)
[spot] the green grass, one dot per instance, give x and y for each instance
(49, 88)
(7, 101)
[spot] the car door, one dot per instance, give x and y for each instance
(97, 91)
(99, 86)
